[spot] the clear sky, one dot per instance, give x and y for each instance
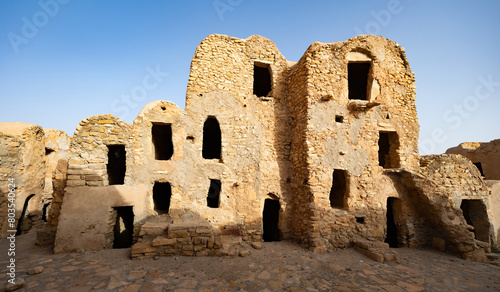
(64, 60)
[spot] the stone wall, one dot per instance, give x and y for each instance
(84, 221)
(89, 152)
(449, 184)
(487, 154)
(22, 159)
(334, 132)
(494, 186)
(57, 145)
(340, 164)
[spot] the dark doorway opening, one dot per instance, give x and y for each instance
(116, 164)
(479, 167)
(270, 218)
(124, 227)
(161, 135)
(214, 193)
(476, 215)
(211, 139)
(45, 211)
(24, 223)
(388, 144)
(162, 192)
(338, 192)
(261, 79)
(357, 75)
(391, 238)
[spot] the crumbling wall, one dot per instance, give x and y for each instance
(88, 157)
(22, 163)
(440, 188)
(487, 154)
(57, 145)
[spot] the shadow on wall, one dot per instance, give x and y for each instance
(115, 222)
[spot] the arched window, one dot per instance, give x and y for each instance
(211, 139)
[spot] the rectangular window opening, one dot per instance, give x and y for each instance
(162, 192)
(339, 119)
(123, 230)
(162, 141)
(338, 192)
(261, 79)
(388, 144)
(116, 167)
(357, 76)
(214, 193)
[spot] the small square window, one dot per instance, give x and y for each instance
(339, 119)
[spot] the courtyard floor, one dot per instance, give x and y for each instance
(278, 266)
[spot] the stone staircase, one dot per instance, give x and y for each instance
(376, 250)
(187, 238)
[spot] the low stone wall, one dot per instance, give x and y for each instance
(191, 238)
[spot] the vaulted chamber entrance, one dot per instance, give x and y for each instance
(475, 214)
(212, 143)
(261, 79)
(161, 134)
(270, 220)
(162, 192)
(338, 192)
(123, 230)
(388, 144)
(116, 164)
(393, 214)
(357, 76)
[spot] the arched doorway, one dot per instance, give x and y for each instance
(22, 219)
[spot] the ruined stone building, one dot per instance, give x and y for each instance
(486, 157)
(321, 151)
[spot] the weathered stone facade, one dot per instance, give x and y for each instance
(22, 166)
(486, 157)
(322, 151)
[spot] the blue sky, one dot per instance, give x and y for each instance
(62, 61)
